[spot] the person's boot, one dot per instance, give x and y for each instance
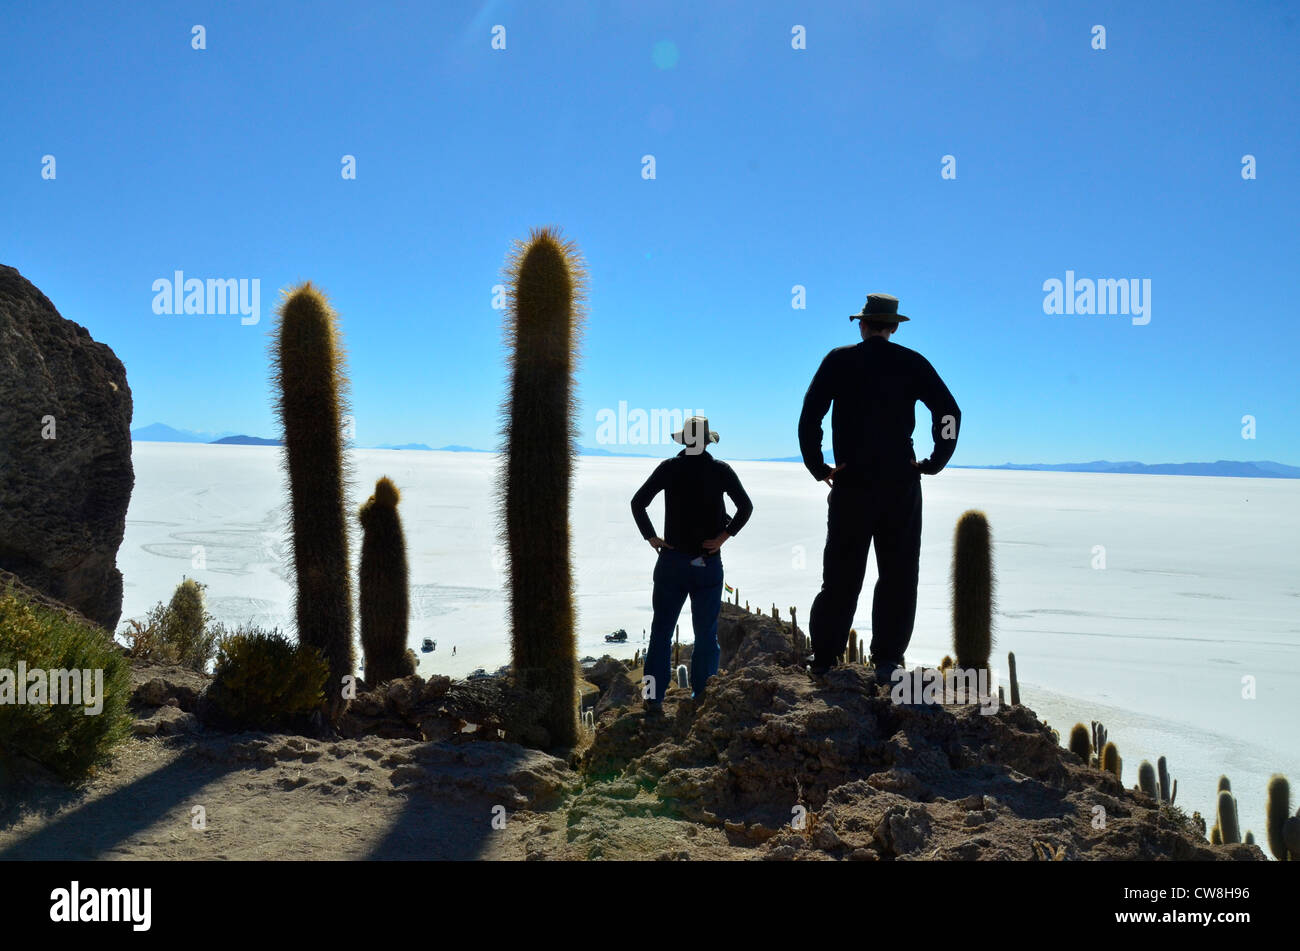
(654, 709)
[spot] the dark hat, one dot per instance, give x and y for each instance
(883, 307)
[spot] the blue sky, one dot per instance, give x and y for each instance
(775, 167)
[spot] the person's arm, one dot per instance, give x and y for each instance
(744, 508)
(740, 498)
(816, 402)
(641, 501)
(945, 419)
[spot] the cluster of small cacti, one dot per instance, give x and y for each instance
(545, 281)
(1099, 735)
(1095, 749)
(1155, 782)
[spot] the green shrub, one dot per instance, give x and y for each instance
(181, 632)
(63, 737)
(263, 680)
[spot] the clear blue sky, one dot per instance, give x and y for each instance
(775, 167)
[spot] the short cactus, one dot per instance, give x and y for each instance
(1226, 818)
(1110, 761)
(972, 591)
(1015, 681)
(1291, 836)
(1278, 811)
(1081, 743)
(385, 597)
(1147, 780)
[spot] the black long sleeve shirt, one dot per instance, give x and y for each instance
(693, 486)
(875, 385)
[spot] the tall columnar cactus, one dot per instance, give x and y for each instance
(1226, 818)
(545, 280)
(1147, 780)
(1110, 761)
(972, 591)
(311, 381)
(385, 598)
(1278, 811)
(1015, 681)
(1081, 743)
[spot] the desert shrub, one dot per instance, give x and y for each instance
(63, 737)
(263, 680)
(181, 632)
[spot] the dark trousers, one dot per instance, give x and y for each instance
(888, 513)
(675, 579)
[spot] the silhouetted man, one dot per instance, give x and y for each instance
(696, 524)
(875, 483)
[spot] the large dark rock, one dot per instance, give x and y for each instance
(63, 500)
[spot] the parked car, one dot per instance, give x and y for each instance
(618, 637)
(428, 645)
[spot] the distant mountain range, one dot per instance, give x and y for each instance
(244, 441)
(1224, 467)
(160, 432)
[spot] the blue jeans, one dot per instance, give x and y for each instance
(675, 578)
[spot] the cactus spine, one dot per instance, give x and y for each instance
(972, 592)
(1278, 811)
(1226, 818)
(385, 598)
(311, 380)
(1081, 743)
(545, 280)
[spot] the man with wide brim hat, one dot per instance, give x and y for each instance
(695, 434)
(880, 308)
(875, 483)
(689, 563)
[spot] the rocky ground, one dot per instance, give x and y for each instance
(768, 764)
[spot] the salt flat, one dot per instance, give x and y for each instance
(1200, 586)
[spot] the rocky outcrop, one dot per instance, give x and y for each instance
(65, 454)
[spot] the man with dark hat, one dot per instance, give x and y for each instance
(875, 482)
(690, 554)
